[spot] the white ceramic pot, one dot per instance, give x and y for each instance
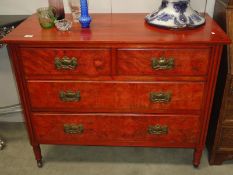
(175, 14)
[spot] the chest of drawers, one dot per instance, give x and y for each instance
(119, 83)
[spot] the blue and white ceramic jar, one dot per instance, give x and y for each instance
(175, 14)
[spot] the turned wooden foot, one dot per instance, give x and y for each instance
(37, 153)
(196, 165)
(2, 144)
(197, 157)
(39, 163)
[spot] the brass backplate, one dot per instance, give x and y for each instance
(70, 96)
(163, 63)
(158, 130)
(73, 128)
(160, 97)
(66, 63)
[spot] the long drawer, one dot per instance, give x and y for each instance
(133, 97)
(89, 62)
(163, 62)
(124, 130)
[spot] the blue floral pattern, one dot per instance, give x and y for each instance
(195, 17)
(177, 23)
(164, 4)
(175, 14)
(191, 21)
(164, 17)
(180, 6)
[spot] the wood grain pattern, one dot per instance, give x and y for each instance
(226, 137)
(116, 29)
(116, 96)
(229, 19)
(186, 61)
(227, 118)
(21, 85)
(91, 62)
(127, 129)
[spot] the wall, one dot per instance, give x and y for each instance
(8, 91)
(96, 6)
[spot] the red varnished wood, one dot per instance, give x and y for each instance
(148, 78)
(197, 156)
(210, 88)
(117, 28)
(21, 85)
(91, 62)
(37, 152)
(127, 129)
(186, 61)
(115, 96)
(121, 86)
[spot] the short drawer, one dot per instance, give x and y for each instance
(94, 96)
(124, 130)
(175, 62)
(46, 61)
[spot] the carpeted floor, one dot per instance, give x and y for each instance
(17, 159)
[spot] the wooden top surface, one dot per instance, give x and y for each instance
(116, 28)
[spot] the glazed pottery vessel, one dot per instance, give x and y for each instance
(175, 14)
(84, 19)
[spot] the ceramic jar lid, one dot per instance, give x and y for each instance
(175, 14)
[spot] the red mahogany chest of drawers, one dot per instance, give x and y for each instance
(119, 83)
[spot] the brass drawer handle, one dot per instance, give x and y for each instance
(73, 129)
(157, 130)
(163, 63)
(160, 97)
(66, 63)
(70, 96)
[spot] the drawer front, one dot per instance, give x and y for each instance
(226, 138)
(122, 130)
(115, 96)
(44, 61)
(163, 62)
